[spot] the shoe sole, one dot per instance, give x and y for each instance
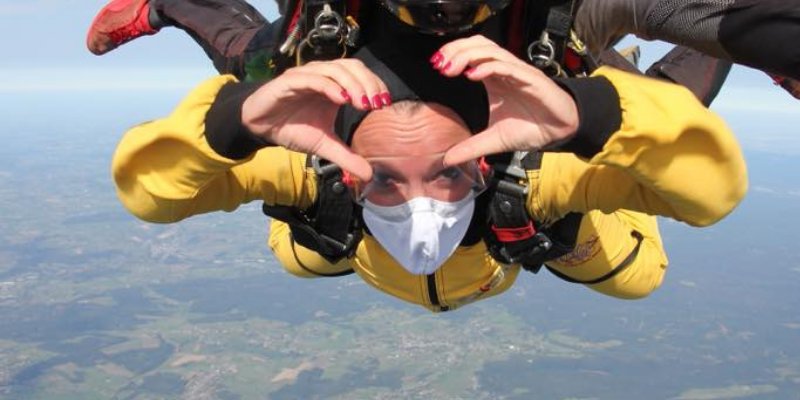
(106, 14)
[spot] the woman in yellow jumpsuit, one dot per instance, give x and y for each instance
(624, 149)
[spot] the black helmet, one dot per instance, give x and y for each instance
(444, 17)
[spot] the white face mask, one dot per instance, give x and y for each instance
(422, 233)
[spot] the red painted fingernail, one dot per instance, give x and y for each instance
(377, 102)
(387, 100)
(446, 66)
(469, 71)
(365, 101)
(346, 95)
(347, 179)
(484, 167)
(436, 58)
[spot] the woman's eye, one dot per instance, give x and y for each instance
(381, 179)
(451, 173)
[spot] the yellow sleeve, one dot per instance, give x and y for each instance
(670, 157)
(165, 170)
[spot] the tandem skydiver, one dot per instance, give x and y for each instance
(239, 40)
(441, 199)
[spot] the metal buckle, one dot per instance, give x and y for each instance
(329, 27)
(513, 172)
(323, 169)
(543, 245)
(514, 167)
(545, 57)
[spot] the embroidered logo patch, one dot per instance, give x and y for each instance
(583, 252)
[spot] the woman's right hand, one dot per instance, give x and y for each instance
(297, 109)
(528, 110)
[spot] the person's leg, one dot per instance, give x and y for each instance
(119, 22)
(602, 23)
(757, 33)
(223, 28)
(698, 72)
(229, 31)
(791, 85)
(703, 75)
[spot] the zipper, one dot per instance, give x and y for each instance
(432, 293)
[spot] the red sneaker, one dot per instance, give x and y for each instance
(120, 21)
(791, 85)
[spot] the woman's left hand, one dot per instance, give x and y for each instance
(528, 110)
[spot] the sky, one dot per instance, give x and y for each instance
(43, 44)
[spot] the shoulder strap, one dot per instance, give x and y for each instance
(550, 40)
(331, 226)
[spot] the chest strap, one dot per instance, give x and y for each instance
(331, 227)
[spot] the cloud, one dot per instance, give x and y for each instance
(729, 392)
(775, 192)
(762, 189)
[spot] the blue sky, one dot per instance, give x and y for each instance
(44, 51)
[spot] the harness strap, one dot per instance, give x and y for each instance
(313, 272)
(513, 236)
(506, 235)
(330, 226)
(619, 268)
(547, 47)
(559, 25)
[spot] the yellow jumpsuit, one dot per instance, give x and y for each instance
(670, 157)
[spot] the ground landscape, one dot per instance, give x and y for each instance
(97, 305)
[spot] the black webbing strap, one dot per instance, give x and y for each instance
(302, 265)
(331, 226)
(559, 25)
(513, 237)
(547, 41)
(619, 268)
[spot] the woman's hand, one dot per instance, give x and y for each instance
(297, 109)
(528, 110)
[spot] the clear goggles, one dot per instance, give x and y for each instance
(444, 17)
(397, 180)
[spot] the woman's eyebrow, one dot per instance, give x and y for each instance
(386, 169)
(437, 171)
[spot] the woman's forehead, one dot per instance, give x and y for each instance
(424, 130)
